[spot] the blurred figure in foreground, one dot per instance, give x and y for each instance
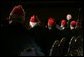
(14, 32)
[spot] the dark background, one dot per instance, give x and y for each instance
(44, 9)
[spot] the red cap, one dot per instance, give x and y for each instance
(78, 24)
(51, 21)
(18, 10)
(33, 18)
(63, 22)
(73, 23)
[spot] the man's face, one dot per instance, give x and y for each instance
(32, 24)
(62, 25)
(68, 17)
(49, 25)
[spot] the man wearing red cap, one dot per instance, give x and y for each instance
(33, 25)
(73, 28)
(33, 22)
(63, 24)
(52, 34)
(75, 38)
(72, 25)
(78, 28)
(35, 33)
(64, 28)
(78, 25)
(65, 33)
(51, 23)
